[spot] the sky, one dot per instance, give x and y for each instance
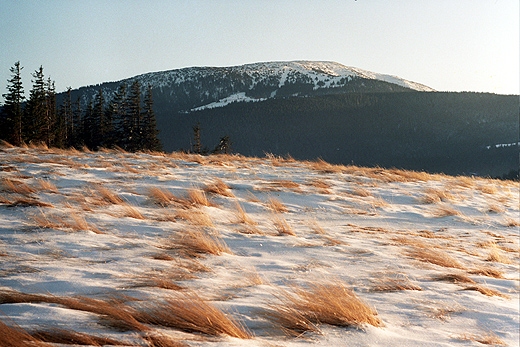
(449, 45)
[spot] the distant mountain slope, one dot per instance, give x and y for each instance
(324, 109)
(195, 87)
(455, 133)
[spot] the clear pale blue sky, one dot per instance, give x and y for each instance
(454, 45)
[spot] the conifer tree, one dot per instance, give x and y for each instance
(13, 112)
(134, 130)
(117, 111)
(48, 125)
(150, 140)
(98, 130)
(34, 117)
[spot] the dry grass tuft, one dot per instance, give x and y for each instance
(73, 221)
(190, 313)
(161, 197)
(276, 205)
(445, 211)
(195, 217)
(434, 196)
(218, 187)
(242, 217)
(196, 242)
(160, 340)
(131, 211)
(486, 291)
(17, 337)
(107, 195)
(436, 257)
(488, 189)
(47, 186)
(324, 167)
(68, 337)
(394, 284)
(495, 255)
(322, 303)
(455, 278)
(487, 271)
(487, 339)
(116, 313)
(511, 223)
(198, 197)
(16, 187)
(282, 226)
(360, 192)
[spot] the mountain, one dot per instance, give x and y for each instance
(195, 88)
(324, 109)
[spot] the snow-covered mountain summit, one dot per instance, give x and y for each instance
(195, 88)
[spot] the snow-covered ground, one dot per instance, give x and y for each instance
(159, 249)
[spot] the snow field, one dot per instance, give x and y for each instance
(234, 251)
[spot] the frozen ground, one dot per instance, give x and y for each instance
(161, 249)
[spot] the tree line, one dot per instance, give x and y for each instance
(124, 121)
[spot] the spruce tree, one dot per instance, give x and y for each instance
(134, 130)
(12, 110)
(49, 121)
(35, 109)
(98, 121)
(117, 111)
(150, 140)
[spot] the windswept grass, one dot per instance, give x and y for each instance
(436, 257)
(485, 339)
(393, 284)
(304, 308)
(281, 225)
(68, 337)
(190, 313)
(196, 241)
(17, 337)
(218, 187)
(276, 205)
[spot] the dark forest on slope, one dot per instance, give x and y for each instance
(455, 133)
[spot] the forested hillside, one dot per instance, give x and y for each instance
(440, 132)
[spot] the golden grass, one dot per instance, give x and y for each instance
(321, 165)
(333, 303)
(16, 187)
(196, 241)
(486, 339)
(67, 337)
(25, 201)
(107, 195)
(190, 313)
(434, 196)
(218, 187)
(436, 257)
(511, 223)
(162, 197)
(360, 192)
(131, 211)
(73, 221)
(444, 210)
(394, 284)
(495, 255)
(116, 313)
(158, 281)
(454, 278)
(47, 186)
(276, 205)
(488, 188)
(487, 271)
(198, 197)
(281, 226)
(161, 340)
(17, 337)
(241, 216)
(486, 291)
(195, 217)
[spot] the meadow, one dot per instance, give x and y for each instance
(112, 248)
